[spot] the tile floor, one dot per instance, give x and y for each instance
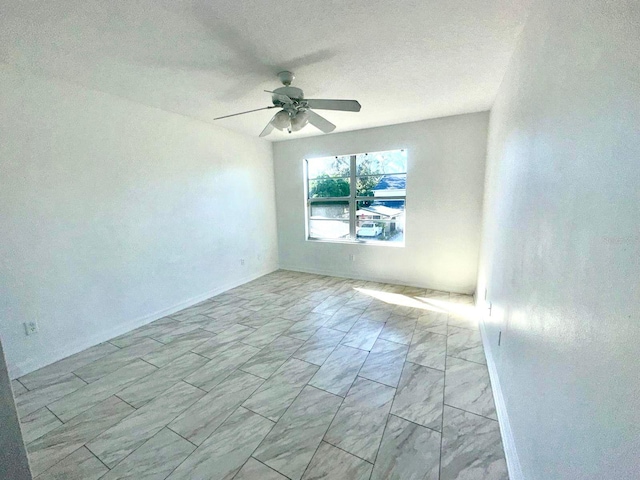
(291, 376)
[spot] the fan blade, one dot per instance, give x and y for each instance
(269, 128)
(324, 104)
(281, 97)
(320, 123)
(249, 111)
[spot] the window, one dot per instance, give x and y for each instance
(357, 198)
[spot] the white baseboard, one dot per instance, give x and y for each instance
(64, 351)
(508, 442)
(367, 278)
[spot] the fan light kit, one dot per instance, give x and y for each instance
(297, 111)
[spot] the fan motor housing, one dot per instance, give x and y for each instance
(291, 92)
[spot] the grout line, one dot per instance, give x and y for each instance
(123, 400)
(417, 424)
(98, 458)
(346, 451)
(194, 386)
(472, 413)
(75, 375)
(444, 388)
(465, 360)
(184, 438)
(272, 469)
(375, 381)
(51, 411)
(18, 380)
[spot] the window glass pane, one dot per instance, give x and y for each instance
(380, 221)
(329, 220)
(382, 185)
(329, 229)
(329, 210)
(328, 167)
(329, 187)
(380, 163)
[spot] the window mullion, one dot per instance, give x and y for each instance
(352, 198)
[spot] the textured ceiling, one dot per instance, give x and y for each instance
(403, 60)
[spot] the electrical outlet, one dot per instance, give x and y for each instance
(30, 327)
(242, 261)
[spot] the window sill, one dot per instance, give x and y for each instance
(359, 242)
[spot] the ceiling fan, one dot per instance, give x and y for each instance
(297, 111)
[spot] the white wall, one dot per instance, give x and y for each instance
(446, 159)
(113, 214)
(561, 241)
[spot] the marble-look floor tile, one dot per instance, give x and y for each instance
(273, 398)
(298, 310)
(203, 417)
(56, 445)
(363, 334)
(263, 317)
(305, 328)
(344, 319)
(254, 470)
(177, 348)
(218, 325)
(268, 333)
(331, 463)
(340, 370)
(52, 373)
(434, 322)
(231, 335)
(155, 459)
(116, 360)
(408, 452)
(359, 424)
(428, 349)
(413, 291)
(330, 305)
(467, 319)
(419, 398)
(359, 301)
(17, 388)
(471, 448)
(116, 443)
(227, 449)
(398, 331)
(378, 311)
(223, 362)
(468, 387)
(190, 311)
(465, 344)
(37, 424)
(80, 465)
(89, 395)
(289, 447)
(271, 357)
(461, 299)
(384, 363)
(155, 328)
(319, 347)
(149, 387)
(434, 295)
(34, 400)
